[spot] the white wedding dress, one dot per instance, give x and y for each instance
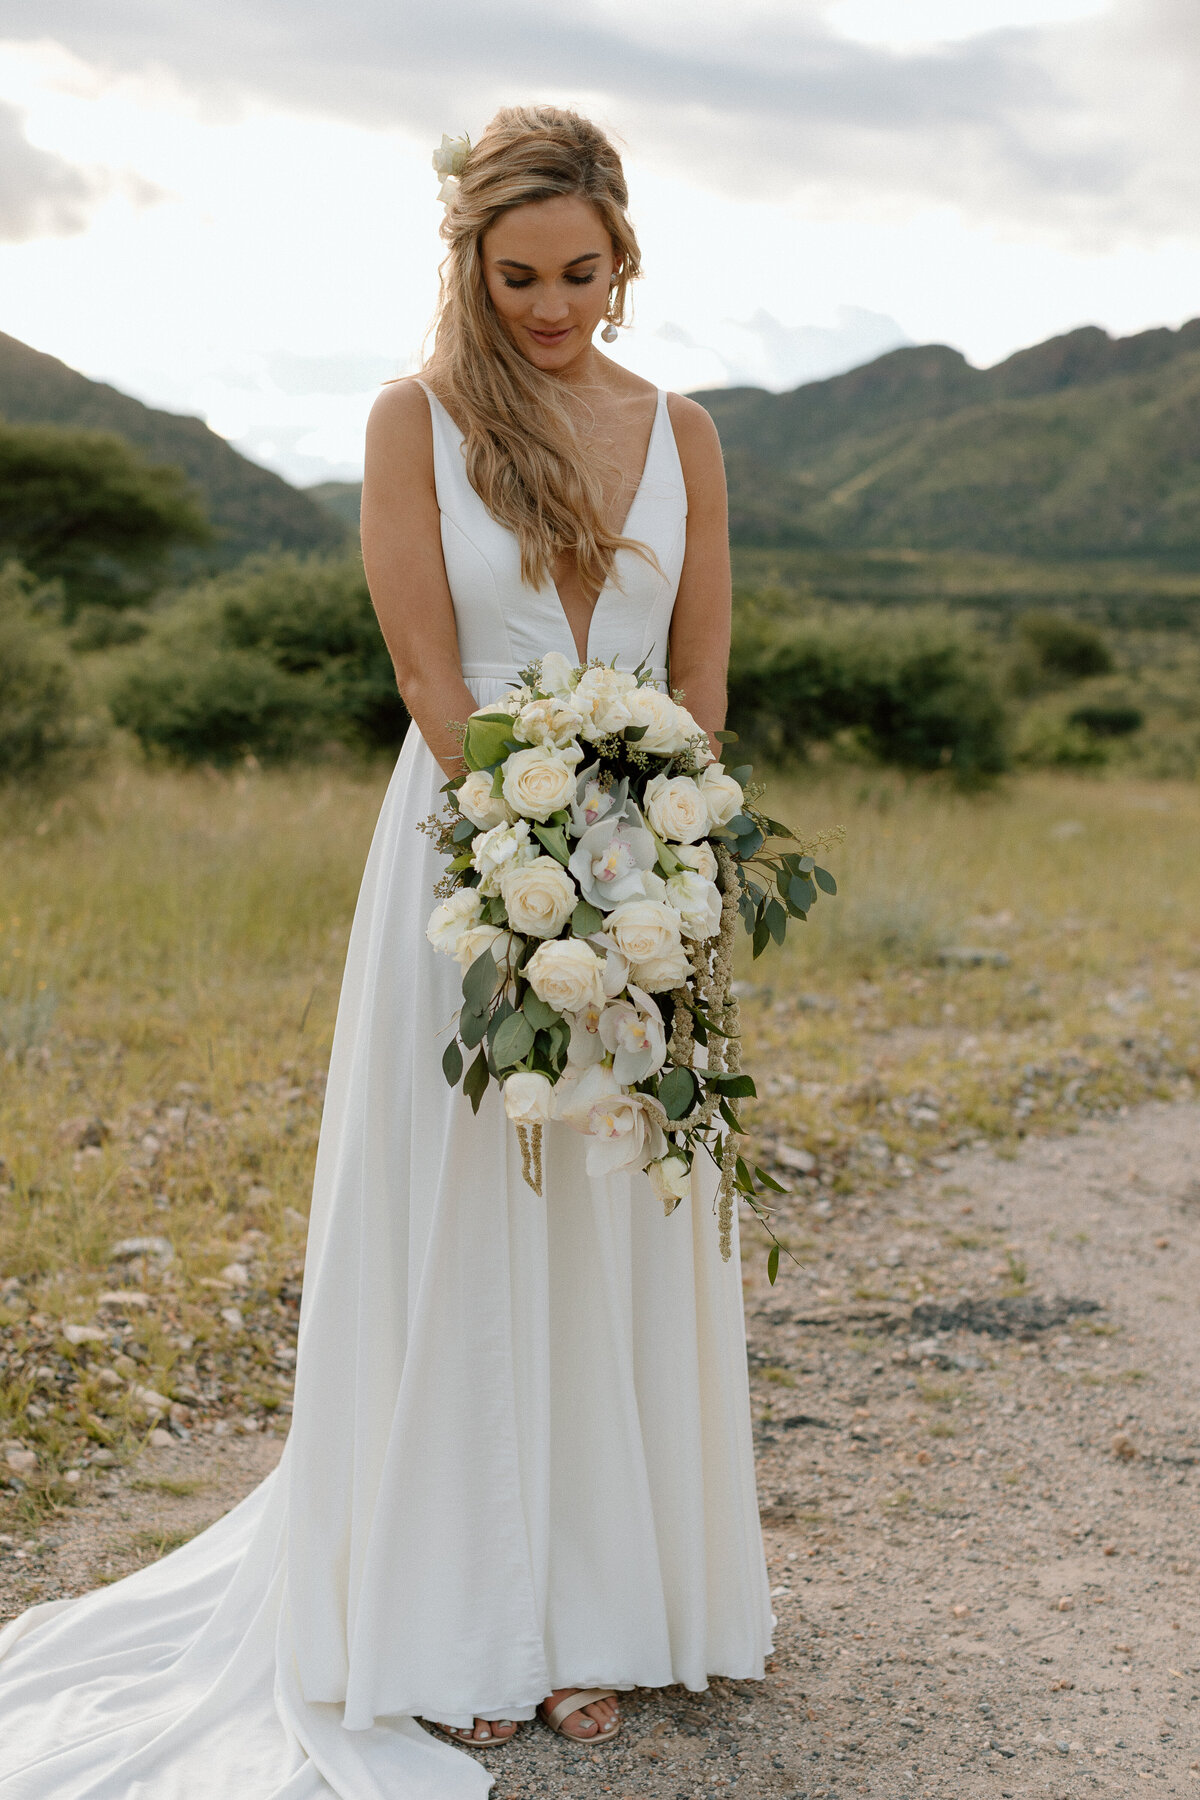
(520, 1456)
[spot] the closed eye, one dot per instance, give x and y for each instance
(575, 281)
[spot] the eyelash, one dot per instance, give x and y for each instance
(575, 281)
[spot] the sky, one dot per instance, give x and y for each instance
(229, 209)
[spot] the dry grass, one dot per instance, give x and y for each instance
(170, 954)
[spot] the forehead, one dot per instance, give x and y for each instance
(547, 234)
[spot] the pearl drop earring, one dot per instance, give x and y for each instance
(609, 334)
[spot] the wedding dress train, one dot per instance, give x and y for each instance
(520, 1455)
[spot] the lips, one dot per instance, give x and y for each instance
(549, 338)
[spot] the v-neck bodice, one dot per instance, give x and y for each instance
(504, 623)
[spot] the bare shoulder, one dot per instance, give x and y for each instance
(400, 428)
(697, 441)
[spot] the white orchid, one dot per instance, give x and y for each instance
(449, 161)
(633, 1031)
(559, 677)
(594, 801)
(610, 857)
(626, 1130)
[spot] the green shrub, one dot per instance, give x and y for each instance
(43, 733)
(274, 658)
(1111, 720)
(1063, 649)
(912, 689)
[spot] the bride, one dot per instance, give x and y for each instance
(519, 1479)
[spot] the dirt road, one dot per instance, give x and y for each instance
(980, 1514)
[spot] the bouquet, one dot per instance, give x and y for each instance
(599, 861)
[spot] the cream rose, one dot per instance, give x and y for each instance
(552, 723)
(722, 794)
(699, 857)
(538, 782)
(643, 929)
(452, 917)
(539, 897)
(528, 1097)
(667, 725)
(675, 808)
(659, 974)
(671, 1179)
(601, 697)
(477, 802)
(503, 847)
(504, 945)
(567, 974)
(697, 901)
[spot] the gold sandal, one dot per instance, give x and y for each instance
(558, 1715)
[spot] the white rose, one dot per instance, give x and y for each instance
(539, 897)
(453, 916)
(676, 808)
(697, 901)
(625, 1129)
(550, 722)
(633, 1030)
(558, 675)
(567, 974)
(642, 929)
(503, 847)
(538, 782)
(661, 973)
(601, 697)
(667, 725)
(699, 857)
(477, 803)
(722, 794)
(528, 1097)
(671, 1179)
(504, 945)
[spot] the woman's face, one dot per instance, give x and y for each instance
(548, 266)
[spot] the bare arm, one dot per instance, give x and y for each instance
(402, 553)
(700, 624)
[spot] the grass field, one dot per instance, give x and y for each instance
(170, 953)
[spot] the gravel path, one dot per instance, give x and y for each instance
(982, 1538)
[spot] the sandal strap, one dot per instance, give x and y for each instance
(575, 1703)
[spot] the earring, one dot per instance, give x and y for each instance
(609, 334)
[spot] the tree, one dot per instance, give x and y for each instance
(85, 508)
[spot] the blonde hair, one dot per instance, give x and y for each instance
(526, 453)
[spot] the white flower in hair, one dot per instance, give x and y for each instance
(449, 161)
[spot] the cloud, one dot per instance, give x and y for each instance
(1082, 129)
(762, 352)
(41, 195)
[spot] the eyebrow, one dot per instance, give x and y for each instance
(507, 262)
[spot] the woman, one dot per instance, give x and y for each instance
(519, 1478)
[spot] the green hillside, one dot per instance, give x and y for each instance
(1082, 446)
(251, 508)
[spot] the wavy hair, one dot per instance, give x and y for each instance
(527, 454)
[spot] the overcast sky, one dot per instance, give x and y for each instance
(228, 208)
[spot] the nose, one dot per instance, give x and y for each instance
(550, 306)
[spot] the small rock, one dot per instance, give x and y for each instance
(160, 1440)
(236, 1274)
(1123, 1447)
(970, 956)
(1063, 1748)
(790, 1157)
(160, 1248)
(21, 1462)
(1111, 1550)
(296, 1220)
(961, 1612)
(84, 1334)
(232, 1316)
(103, 1458)
(150, 1400)
(72, 1477)
(124, 1300)
(108, 1378)
(1064, 1604)
(1125, 1649)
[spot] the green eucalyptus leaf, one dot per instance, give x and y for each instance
(677, 1091)
(498, 782)
(726, 737)
(825, 882)
(633, 734)
(540, 1016)
(471, 1027)
(475, 1081)
(773, 1264)
(730, 1117)
(452, 1063)
(762, 937)
(768, 1181)
(776, 917)
(554, 839)
(481, 981)
(512, 1041)
(734, 1087)
(586, 919)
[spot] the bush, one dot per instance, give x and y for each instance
(1063, 649)
(912, 689)
(1112, 720)
(274, 658)
(43, 734)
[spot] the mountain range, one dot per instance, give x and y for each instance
(251, 508)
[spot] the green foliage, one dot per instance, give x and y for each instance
(1108, 721)
(43, 733)
(1062, 648)
(273, 659)
(84, 508)
(909, 689)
